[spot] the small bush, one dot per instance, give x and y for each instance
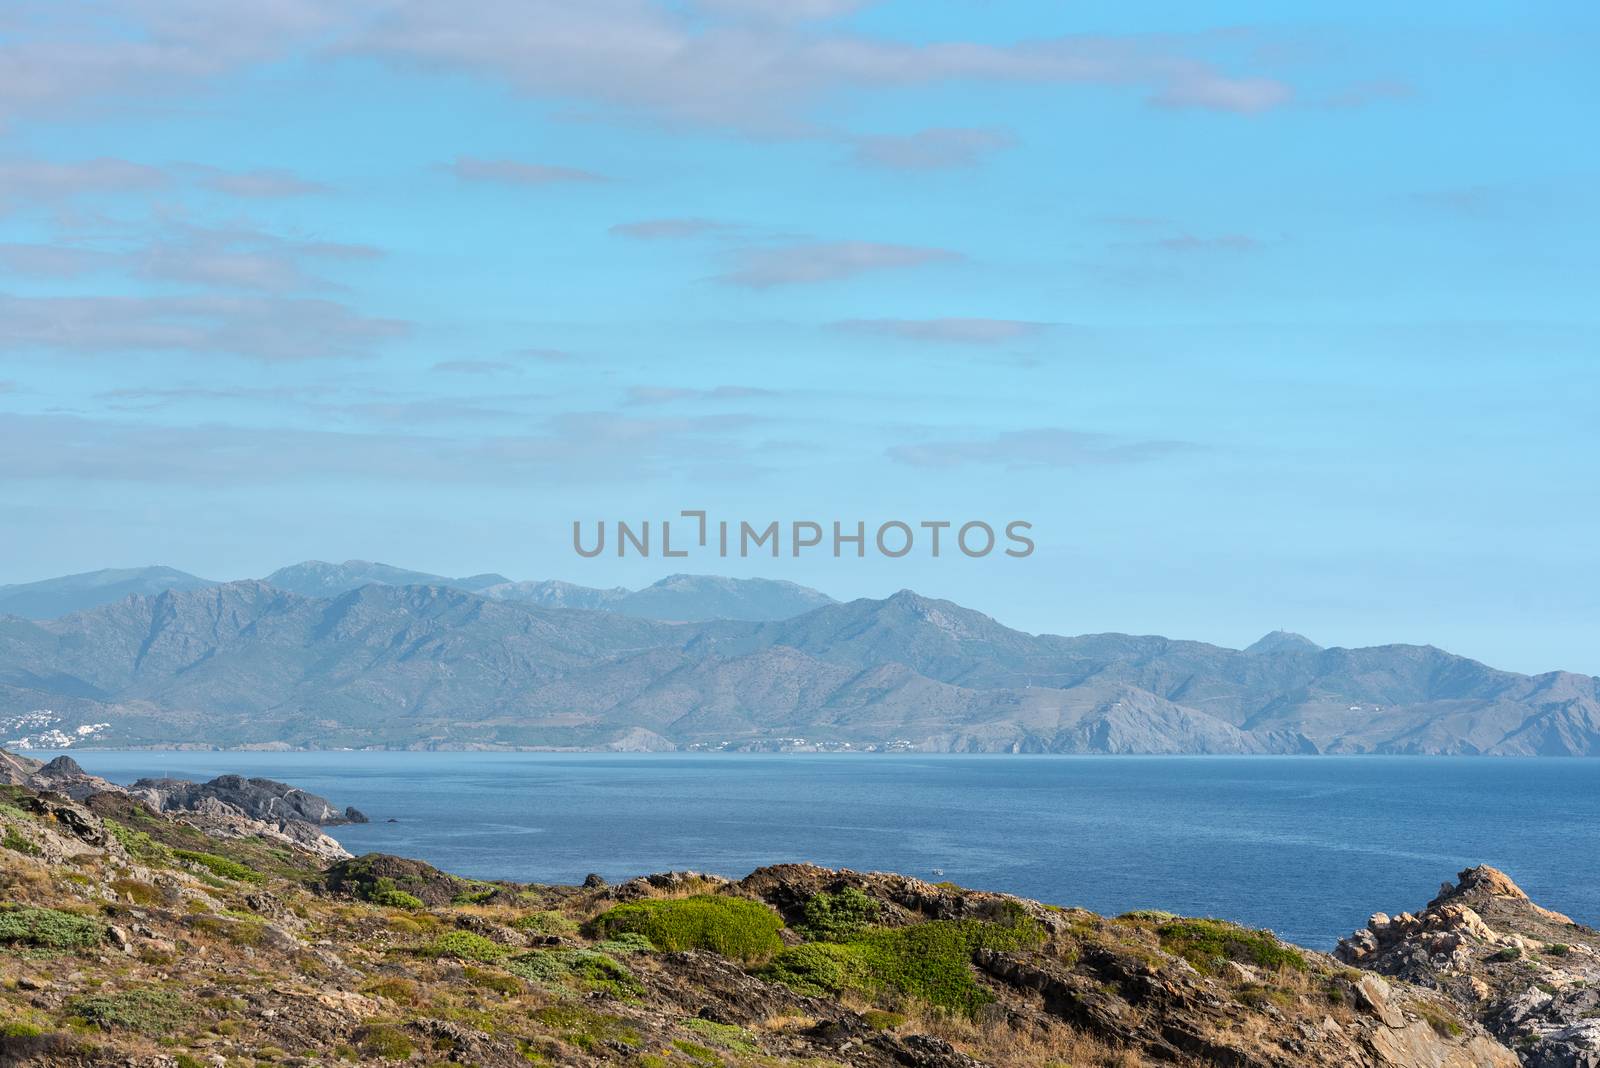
(477, 895)
(148, 1011)
(585, 969)
(625, 943)
(827, 917)
(499, 982)
(394, 988)
(546, 922)
(1558, 949)
(18, 844)
(1510, 953)
(465, 945)
(221, 867)
(930, 961)
(732, 926)
(728, 1036)
(1206, 944)
(136, 891)
(385, 1041)
(397, 899)
(588, 1030)
(48, 929)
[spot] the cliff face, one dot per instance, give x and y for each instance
(133, 938)
(1529, 975)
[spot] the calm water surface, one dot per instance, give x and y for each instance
(1306, 846)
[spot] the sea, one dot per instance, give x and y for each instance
(1305, 846)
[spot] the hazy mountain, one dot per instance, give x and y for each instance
(316, 578)
(698, 598)
(1282, 641)
(50, 598)
(677, 598)
(433, 666)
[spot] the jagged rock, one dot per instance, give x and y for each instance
(1530, 975)
(260, 799)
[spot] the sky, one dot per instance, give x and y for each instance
(1264, 316)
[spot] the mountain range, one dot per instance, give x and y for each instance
(437, 666)
(680, 598)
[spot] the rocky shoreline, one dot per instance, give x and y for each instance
(175, 927)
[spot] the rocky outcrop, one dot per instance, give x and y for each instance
(227, 807)
(1530, 975)
(259, 799)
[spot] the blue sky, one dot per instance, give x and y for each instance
(1264, 316)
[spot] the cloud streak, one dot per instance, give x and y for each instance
(511, 172)
(270, 329)
(1046, 447)
(954, 331)
(826, 261)
(931, 149)
(671, 229)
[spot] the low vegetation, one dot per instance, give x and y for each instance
(734, 927)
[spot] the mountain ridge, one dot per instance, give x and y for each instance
(247, 663)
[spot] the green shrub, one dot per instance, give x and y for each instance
(732, 926)
(148, 1011)
(476, 895)
(18, 844)
(221, 867)
(48, 928)
(1206, 944)
(499, 982)
(385, 1041)
(397, 899)
(546, 922)
(828, 917)
(465, 945)
(929, 961)
(1558, 949)
(728, 1036)
(588, 1030)
(625, 943)
(395, 988)
(1510, 953)
(585, 969)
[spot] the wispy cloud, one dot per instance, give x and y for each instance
(237, 257)
(670, 64)
(647, 395)
(671, 229)
(949, 330)
(574, 447)
(45, 180)
(1043, 447)
(264, 184)
(512, 172)
(473, 367)
(1217, 243)
(259, 328)
(932, 149)
(826, 261)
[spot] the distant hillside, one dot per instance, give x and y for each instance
(677, 598)
(50, 598)
(248, 663)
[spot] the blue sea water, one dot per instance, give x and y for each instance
(1307, 846)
